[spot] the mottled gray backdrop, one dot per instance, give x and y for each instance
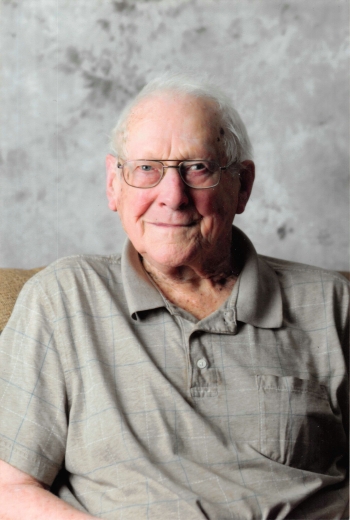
(68, 67)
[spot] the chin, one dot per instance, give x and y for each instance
(169, 258)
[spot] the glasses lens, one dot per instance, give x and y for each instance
(200, 174)
(142, 174)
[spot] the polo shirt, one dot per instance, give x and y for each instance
(129, 407)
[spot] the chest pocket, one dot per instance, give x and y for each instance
(297, 425)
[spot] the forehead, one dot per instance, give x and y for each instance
(172, 119)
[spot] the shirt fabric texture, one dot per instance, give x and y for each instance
(129, 407)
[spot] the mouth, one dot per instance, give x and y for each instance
(178, 225)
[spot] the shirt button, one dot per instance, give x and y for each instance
(202, 363)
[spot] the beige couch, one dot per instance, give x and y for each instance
(12, 281)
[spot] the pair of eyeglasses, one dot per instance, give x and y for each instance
(197, 174)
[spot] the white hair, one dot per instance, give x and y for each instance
(236, 142)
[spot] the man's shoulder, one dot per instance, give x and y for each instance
(90, 265)
(306, 288)
(84, 260)
(297, 272)
(70, 283)
(82, 273)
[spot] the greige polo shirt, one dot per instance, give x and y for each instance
(156, 415)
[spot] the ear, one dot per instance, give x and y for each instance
(247, 176)
(112, 187)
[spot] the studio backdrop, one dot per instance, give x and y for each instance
(68, 68)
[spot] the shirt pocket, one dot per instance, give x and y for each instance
(297, 425)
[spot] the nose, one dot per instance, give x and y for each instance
(173, 192)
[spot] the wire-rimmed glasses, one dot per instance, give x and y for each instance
(198, 174)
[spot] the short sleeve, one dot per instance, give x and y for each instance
(33, 417)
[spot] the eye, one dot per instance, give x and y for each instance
(197, 167)
(146, 167)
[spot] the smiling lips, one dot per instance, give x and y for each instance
(170, 225)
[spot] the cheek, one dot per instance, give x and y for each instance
(205, 201)
(214, 205)
(134, 202)
(229, 197)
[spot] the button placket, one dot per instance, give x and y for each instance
(204, 375)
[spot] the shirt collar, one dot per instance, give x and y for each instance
(256, 297)
(259, 298)
(141, 294)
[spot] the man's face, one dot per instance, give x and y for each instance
(171, 224)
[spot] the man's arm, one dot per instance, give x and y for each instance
(22, 496)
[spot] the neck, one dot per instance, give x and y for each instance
(199, 291)
(216, 274)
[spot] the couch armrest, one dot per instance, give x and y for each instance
(11, 282)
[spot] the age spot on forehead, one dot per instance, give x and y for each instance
(222, 132)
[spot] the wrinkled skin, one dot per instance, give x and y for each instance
(179, 231)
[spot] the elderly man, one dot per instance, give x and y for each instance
(189, 378)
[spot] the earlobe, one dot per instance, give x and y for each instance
(111, 162)
(247, 176)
